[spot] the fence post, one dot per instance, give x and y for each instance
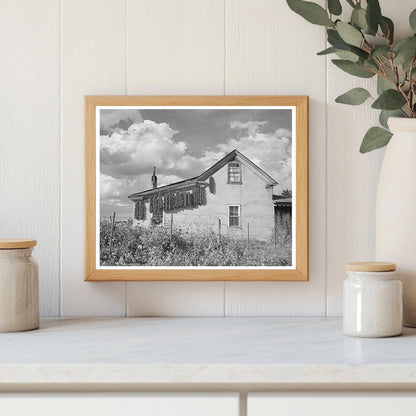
(171, 231)
(274, 237)
(248, 237)
(112, 233)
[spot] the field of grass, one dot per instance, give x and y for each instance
(154, 246)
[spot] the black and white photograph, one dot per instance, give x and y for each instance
(195, 187)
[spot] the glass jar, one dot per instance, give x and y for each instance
(372, 300)
(19, 286)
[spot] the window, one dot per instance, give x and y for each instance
(234, 215)
(234, 172)
(212, 184)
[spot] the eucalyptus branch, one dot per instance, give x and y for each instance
(395, 71)
(365, 43)
(411, 82)
(381, 65)
(364, 49)
(405, 96)
(385, 75)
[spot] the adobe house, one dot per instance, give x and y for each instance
(231, 196)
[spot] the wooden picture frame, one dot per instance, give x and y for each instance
(99, 108)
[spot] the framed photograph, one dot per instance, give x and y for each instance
(196, 188)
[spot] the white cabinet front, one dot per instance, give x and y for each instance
(330, 404)
(119, 404)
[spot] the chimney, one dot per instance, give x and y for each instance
(154, 178)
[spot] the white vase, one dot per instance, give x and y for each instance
(396, 210)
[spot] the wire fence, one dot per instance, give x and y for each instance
(196, 223)
(121, 239)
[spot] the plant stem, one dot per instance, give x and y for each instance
(411, 92)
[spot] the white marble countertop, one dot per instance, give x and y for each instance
(183, 352)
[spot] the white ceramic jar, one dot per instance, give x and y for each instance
(372, 300)
(19, 286)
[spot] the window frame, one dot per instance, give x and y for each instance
(239, 216)
(240, 171)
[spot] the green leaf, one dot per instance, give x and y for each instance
(375, 138)
(387, 27)
(347, 55)
(373, 15)
(352, 68)
(334, 7)
(335, 40)
(361, 53)
(370, 64)
(412, 20)
(405, 50)
(383, 84)
(358, 18)
(327, 51)
(386, 114)
(350, 56)
(405, 43)
(389, 100)
(311, 12)
(349, 34)
(381, 50)
(356, 96)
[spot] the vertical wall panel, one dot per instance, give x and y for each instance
(352, 177)
(175, 47)
(271, 50)
(93, 58)
(29, 141)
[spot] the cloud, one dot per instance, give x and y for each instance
(128, 156)
(109, 187)
(116, 120)
(142, 146)
(114, 193)
(252, 127)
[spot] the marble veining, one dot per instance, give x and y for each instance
(203, 350)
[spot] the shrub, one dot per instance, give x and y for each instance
(155, 246)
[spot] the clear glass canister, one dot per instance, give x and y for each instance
(372, 300)
(19, 286)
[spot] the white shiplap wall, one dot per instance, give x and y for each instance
(30, 140)
(55, 52)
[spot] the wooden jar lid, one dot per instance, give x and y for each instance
(371, 266)
(11, 243)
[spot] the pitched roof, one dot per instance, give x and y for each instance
(172, 186)
(231, 156)
(206, 174)
(282, 202)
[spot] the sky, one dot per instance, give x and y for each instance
(182, 143)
